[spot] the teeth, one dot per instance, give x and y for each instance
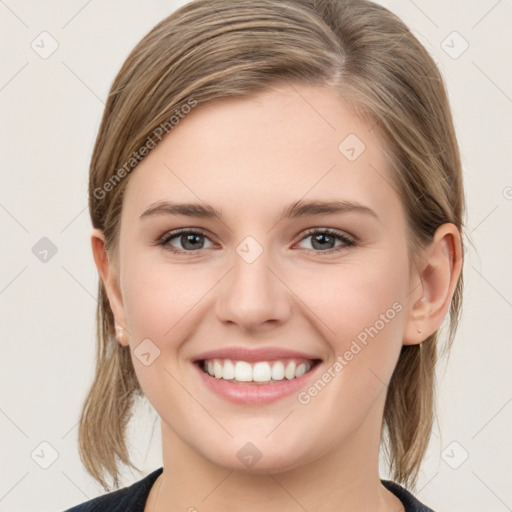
(301, 370)
(228, 371)
(243, 372)
(217, 369)
(262, 371)
(289, 373)
(278, 371)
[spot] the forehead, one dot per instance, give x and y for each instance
(258, 153)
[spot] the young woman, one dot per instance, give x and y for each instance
(277, 202)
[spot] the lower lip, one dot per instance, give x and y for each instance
(255, 394)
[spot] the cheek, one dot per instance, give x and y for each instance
(362, 311)
(163, 303)
(159, 295)
(159, 304)
(361, 307)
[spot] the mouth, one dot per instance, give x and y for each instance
(255, 377)
(259, 372)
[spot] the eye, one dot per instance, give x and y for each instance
(189, 240)
(324, 240)
(193, 240)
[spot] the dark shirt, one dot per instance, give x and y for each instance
(133, 498)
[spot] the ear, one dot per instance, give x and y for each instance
(110, 281)
(433, 283)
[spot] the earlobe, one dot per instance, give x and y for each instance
(110, 282)
(438, 276)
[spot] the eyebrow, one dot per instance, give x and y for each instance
(295, 210)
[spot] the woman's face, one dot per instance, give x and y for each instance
(262, 292)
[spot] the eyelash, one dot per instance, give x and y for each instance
(347, 241)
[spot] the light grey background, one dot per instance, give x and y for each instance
(51, 109)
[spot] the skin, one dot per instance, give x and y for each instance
(250, 158)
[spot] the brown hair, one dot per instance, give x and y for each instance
(209, 50)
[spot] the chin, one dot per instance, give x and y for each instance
(257, 457)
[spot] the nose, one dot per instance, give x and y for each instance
(253, 296)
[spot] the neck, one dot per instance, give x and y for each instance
(342, 480)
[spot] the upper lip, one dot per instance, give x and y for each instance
(253, 355)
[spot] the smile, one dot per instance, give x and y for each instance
(260, 372)
(254, 377)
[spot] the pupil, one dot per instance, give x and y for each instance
(190, 239)
(322, 238)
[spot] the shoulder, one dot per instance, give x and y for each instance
(128, 499)
(410, 503)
